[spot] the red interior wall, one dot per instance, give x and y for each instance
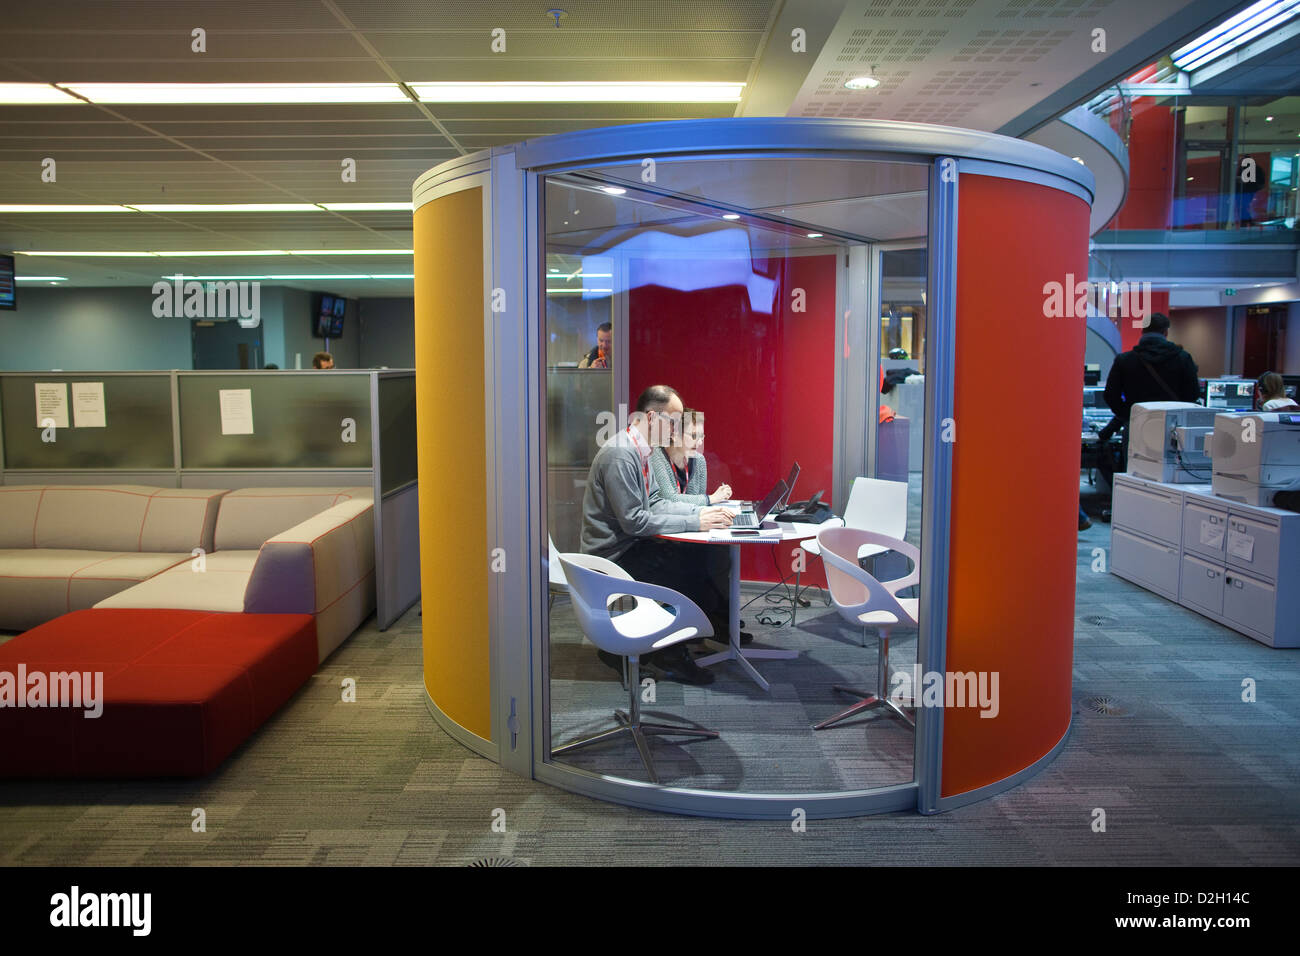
(1130, 334)
(765, 382)
(1151, 169)
(1012, 551)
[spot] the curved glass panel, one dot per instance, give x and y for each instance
(729, 280)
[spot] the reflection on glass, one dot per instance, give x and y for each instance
(724, 280)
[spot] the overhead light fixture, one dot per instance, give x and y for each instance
(730, 215)
(1079, 160)
(176, 207)
(1268, 119)
(227, 207)
(579, 92)
(244, 94)
(40, 278)
(868, 82)
(285, 277)
(84, 255)
(367, 206)
(1235, 32)
(215, 253)
(351, 252)
(613, 190)
(814, 235)
(57, 207)
(34, 94)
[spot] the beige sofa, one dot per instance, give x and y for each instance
(66, 547)
(279, 551)
(264, 550)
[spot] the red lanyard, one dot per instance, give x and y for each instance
(645, 462)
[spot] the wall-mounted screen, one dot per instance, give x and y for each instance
(8, 298)
(327, 320)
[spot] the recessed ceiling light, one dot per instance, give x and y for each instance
(367, 206)
(861, 83)
(814, 235)
(227, 207)
(566, 92)
(613, 190)
(216, 253)
(238, 93)
(40, 278)
(576, 211)
(730, 215)
(1268, 119)
(34, 94)
(552, 270)
(208, 207)
(1079, 160)
(56, 207)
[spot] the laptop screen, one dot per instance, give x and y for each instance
(768, 504)
(794, 476)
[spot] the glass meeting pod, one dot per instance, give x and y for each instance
(763, 268)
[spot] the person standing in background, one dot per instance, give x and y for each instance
(600, 356)
(322, 360)
(1154, 370)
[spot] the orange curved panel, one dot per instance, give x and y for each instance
(452, 446)
(1017, 411)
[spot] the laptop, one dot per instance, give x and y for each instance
(789, 491)
(780, 505)
(755, 518)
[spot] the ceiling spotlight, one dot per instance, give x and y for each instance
(613, 190)
(814, 235)
(1079, 160)
(730, 215)
(1268, 119)
(862, 82)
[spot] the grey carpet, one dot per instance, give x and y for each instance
(1188, 774)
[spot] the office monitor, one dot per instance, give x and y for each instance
(1092, 375)
(327, 320)
(8, 284)
(1232, 393)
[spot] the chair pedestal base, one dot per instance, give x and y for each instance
(867, 702)
(639, 730)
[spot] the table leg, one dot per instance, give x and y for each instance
(733, 651)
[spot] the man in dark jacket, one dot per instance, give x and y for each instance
(1154, 370)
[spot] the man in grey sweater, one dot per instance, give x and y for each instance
(623, 514)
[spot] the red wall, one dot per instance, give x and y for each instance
(1128, 334)
(1151, 169)
(764, 382)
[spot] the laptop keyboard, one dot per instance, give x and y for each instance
(746, 519)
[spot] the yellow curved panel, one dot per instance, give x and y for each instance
(452, 444)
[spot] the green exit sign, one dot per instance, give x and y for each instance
(1229, 291)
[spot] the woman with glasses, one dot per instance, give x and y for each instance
(679, 469)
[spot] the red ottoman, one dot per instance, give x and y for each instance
(181, 689)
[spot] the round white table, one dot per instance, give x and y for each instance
(790, 531)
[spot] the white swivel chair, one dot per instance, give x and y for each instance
(558, 584)
(874, 505)
(862, 600)
(647, 627)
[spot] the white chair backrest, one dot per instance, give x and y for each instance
(878, 505)
(593, 591)
(553, 566)
(854, 590)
